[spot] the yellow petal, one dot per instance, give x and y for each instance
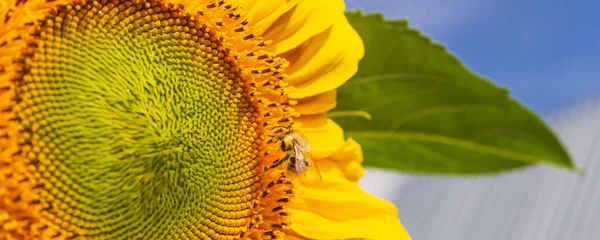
(303, 21)
(349, 159)
(327, 142)
(325, 61)
(264, 13)
(337, 208)
(257, 10)
(317, 104)
(323, 134)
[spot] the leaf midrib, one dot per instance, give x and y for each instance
(390, 77)
(470, 145)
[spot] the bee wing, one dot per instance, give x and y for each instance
(312, 171)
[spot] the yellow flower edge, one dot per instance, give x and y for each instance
(318, 51)
(336, 208)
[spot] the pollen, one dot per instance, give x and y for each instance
(139, 119)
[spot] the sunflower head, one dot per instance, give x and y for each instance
(139, 119)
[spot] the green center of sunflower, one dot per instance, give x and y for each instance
(139, 124)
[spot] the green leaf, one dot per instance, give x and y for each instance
(414, 107)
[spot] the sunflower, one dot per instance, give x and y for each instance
(162, 119)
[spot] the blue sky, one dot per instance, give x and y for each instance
(547, 53)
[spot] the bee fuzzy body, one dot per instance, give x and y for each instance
(297, 156)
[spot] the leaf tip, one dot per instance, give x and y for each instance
(579, 171)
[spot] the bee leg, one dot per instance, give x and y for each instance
(279, 162)
(279, 128)
(273, 138)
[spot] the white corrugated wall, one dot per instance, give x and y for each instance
(539, 203)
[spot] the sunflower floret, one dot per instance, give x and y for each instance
(139, 119)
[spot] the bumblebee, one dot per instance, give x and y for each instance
(297, 156)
